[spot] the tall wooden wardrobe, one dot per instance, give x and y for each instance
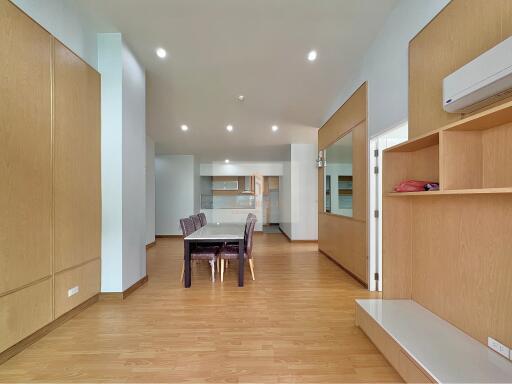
(50, 188)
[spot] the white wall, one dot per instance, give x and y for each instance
(304, 191)
(64, 20)
(110, 65)
(242, 169)
(385, 65)
(134, 175)
(197, 186)
(174, 192)
(285, 199)
(298, 193)
(123, 158)
(150, 190)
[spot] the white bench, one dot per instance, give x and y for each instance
(425, 348)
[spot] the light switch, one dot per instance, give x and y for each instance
(498, 347)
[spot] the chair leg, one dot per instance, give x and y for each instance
(212, 265)
(218, 264)
(221, 270)
(227, 264)
(182, 271)
(251, 264)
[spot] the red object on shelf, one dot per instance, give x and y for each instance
(412, 186)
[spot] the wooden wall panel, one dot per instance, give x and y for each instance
(345, 239)
(497, 162)
(24, 312)
(396, 247)
(461, 262)
(25, 155)
(50, 164)
(462, 159)
(77, 172)
(86, 277)
(345, 118)
(462, 31)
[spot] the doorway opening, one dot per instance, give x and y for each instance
(379, 143)
(271, 204)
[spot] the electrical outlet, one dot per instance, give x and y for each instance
(73, 291)
(498, 347)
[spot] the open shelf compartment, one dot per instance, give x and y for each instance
(477, 158)
(470, 156)
(414, 160)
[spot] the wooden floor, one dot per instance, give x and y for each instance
(295, 323)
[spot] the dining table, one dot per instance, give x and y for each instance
(218, 233)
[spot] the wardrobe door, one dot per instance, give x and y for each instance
(77, 175)
(25, 175)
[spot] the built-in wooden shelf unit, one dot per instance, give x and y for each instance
(450, 250)
(471, 156)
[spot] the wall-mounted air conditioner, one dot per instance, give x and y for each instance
(481, 82)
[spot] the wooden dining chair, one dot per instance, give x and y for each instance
(230, 252)
(198, 252)
(250, 216)
(196, 220)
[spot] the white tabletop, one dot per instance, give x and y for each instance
(445, 352)
(233, 231)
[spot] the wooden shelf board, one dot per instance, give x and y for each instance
(490, 118)
(421, 142)
(477, 191)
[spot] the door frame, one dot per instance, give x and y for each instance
(377, 144)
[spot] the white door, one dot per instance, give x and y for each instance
(379, 143)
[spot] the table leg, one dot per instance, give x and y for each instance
(241, 260)
(188, 274)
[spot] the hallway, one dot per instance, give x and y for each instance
(295, 323)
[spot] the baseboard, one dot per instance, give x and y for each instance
(37, 335)
(134, 287)
(127, 292)
(296, 241)
(357, 278)
(115, 296)
(150, 245)
(168, 236)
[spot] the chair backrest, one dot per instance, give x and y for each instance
(197, 221)
(187, 226)
(202, 218)
(250, 217)
(250, 235)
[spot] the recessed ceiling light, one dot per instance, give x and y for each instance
(184, 127)
(226, 161)
(275, 128)
(241, 98)
(161, 53)
(229, 128)
(312, 55)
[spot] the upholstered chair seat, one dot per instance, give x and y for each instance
(230, 252)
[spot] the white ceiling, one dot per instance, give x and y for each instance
(218, 49)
